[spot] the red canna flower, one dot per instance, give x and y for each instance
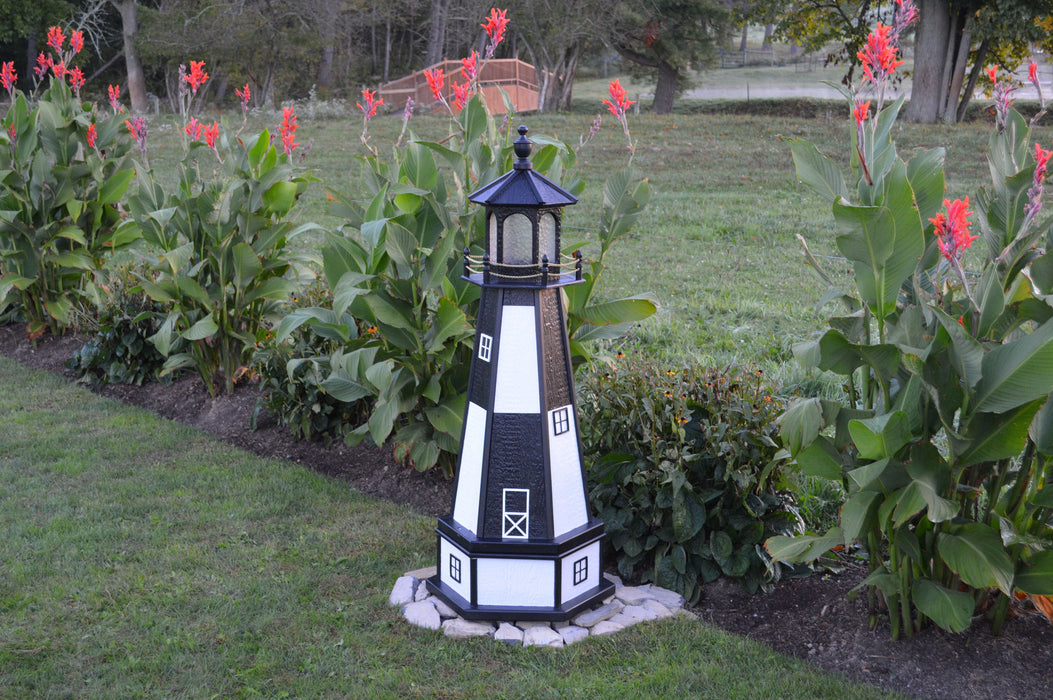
(8, 76)
(56, 38)
(1034, 194)
(952, 229)
(12, 133)
(43, 65)
(76, 79)
(136, 127)
(470, 67)
(461, 93)
(436, 81)
(1032, 72)
(620, 97)
(92, 135)
(878, 57)
(115, 94)
(495, 26)
(288, 130)
(371, 104)
(76, 41)
(245, 95)
(1041, 161)
(197, 76)
(193, 129)
(210, 133)
(861, 112)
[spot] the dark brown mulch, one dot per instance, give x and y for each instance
(810, 618)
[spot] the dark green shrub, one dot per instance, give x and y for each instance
(119, 350)
(684, 466)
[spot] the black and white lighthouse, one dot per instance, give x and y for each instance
(520, 543)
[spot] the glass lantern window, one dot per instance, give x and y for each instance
(491, 244)
(547, 238)
(517, 241)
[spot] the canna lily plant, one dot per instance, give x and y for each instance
(400, 308)
(944, 441)
(64, 168)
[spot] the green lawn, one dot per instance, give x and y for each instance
(141, 558)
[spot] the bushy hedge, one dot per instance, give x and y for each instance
(684, 467)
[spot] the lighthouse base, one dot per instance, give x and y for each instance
(546, 580)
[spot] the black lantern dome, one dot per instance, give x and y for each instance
(524, 224)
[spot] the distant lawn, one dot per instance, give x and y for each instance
(140, 558)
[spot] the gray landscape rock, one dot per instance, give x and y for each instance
(666, 597)
(657, 608)
(592, 617)
(631, 595)
(422, 614)
(542, 637)
(403, 591)
(573, 635)
(639, 613)
(445, 611)
(456, 628)
(509, 634)
(422, 592)
(605, 627)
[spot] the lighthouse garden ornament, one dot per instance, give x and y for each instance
(520, 543)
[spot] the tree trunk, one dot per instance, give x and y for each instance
(742, 41)
(957, 76)
(565, 96)
(665, 91)
(324, 79)
(136, 79)
(436, 32)
(930, 51)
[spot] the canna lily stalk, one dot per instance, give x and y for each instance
(617, 106)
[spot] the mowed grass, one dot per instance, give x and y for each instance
(143, 559)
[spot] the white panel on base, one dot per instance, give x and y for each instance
(470, 469)
(516, 582)
(572, 563)
(464, 586)
(568, 491)
(517, 389)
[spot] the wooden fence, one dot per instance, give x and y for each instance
(517, 78)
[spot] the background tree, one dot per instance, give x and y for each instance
(129, 10)
(555, 35)
(956, 38)
(668, 36)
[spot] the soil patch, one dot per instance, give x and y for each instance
(810, 618)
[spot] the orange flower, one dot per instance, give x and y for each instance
(8, 76)
(288, 130)
(197, 76)
(92, 135)
(952, 230)
(56, 38)
(436, 80)
(210, 133)
(371, 104)
(460, 95)
(879, 55)
(495, 26)
(76, 41)
(621, 99)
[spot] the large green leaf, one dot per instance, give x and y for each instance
(976, 554)
(630, 309)
(205, 328)
(817, 171)
(858, 513)
(1036, 577)
(1017, 372)
(448, 417)
(448, 322)
(990, 437)
(881, 436)
(803, 549)
(115, 186)
(820, 459)
(951, 610)
(883, 242)
(343, 387)
(246, 265)
(800, 424)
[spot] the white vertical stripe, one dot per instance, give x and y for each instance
(518, 384)
(568, 489)
(470, 469)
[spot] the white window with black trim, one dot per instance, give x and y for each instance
(455, 568)
(581, 570)
(561, 420)
(516, 508)
(486, 344)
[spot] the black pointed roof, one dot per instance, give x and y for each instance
(521, 186)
